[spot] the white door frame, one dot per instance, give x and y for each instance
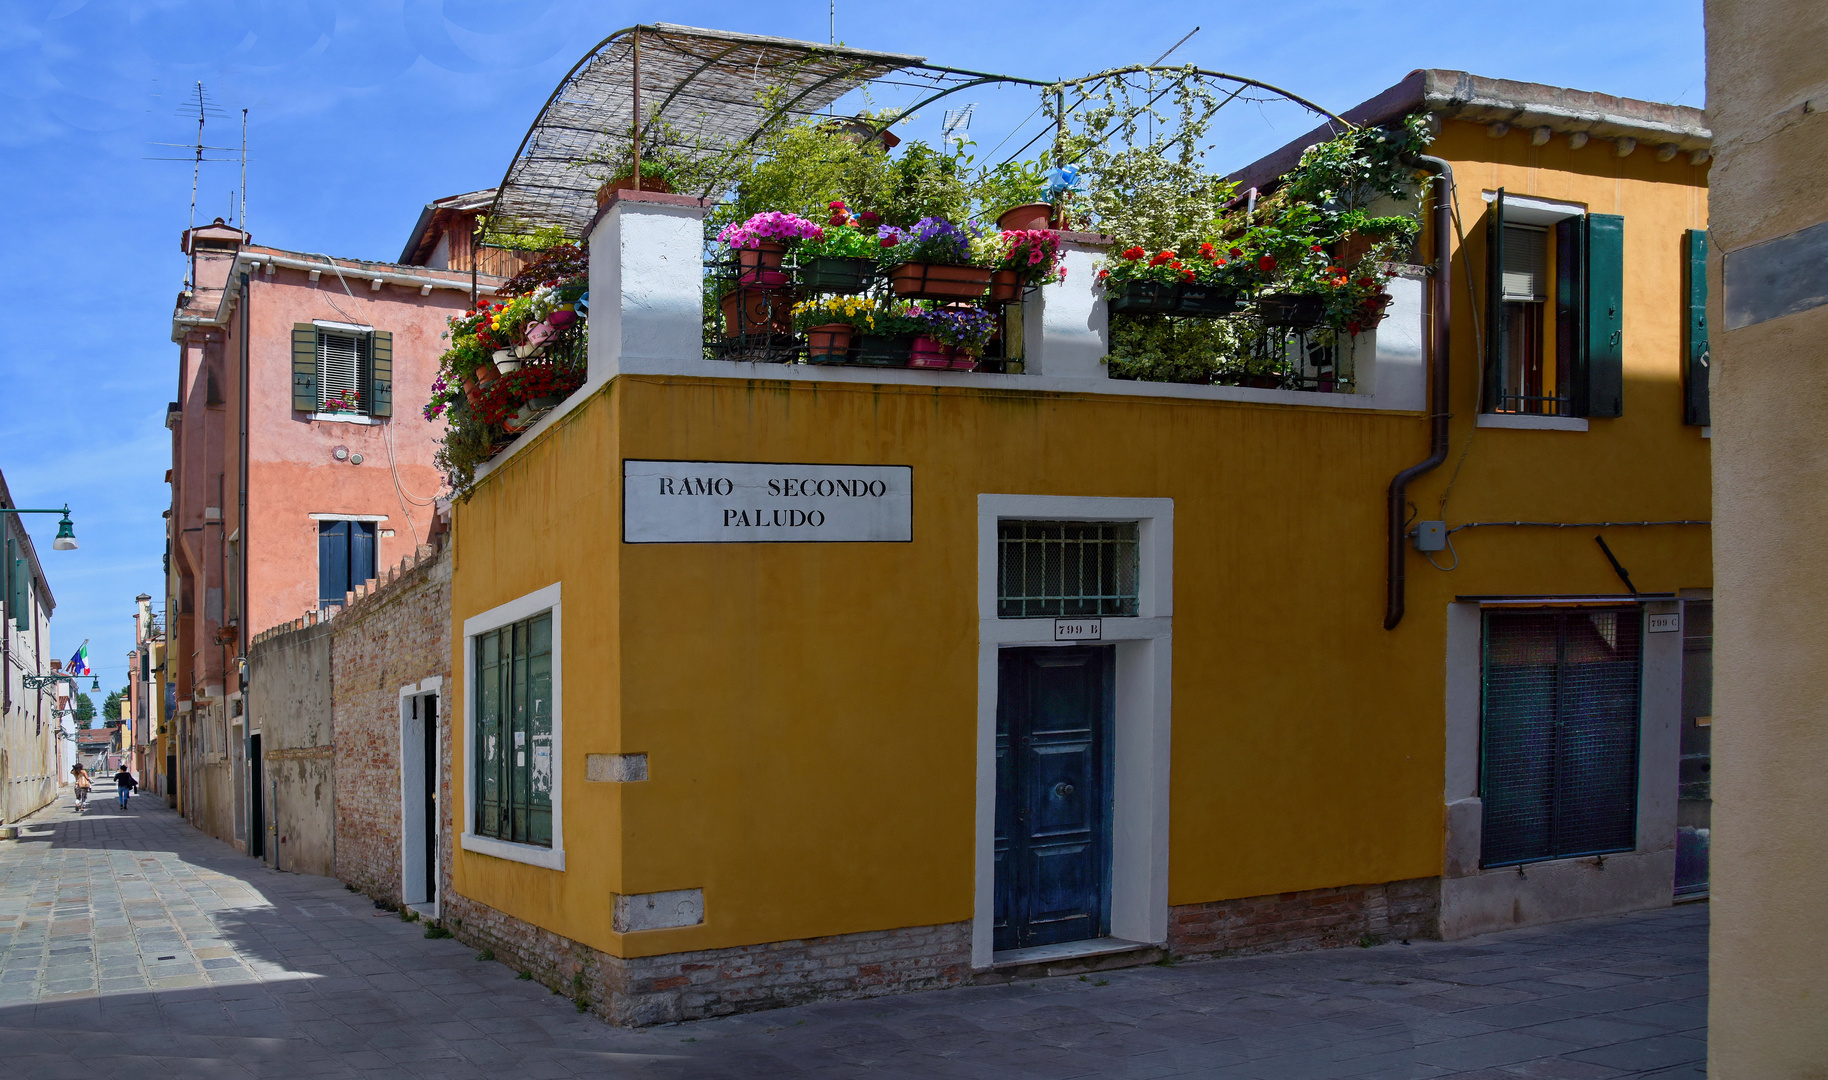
(1141, 733)
(415, 774)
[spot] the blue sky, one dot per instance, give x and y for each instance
(361, 111)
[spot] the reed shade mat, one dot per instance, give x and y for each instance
(706, 84)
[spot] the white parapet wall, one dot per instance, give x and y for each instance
(647, 318)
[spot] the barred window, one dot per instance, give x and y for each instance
(1051, 569)
(514, 732)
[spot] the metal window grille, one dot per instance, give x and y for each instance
(1050, 569)
(342, 372)
(514, 732)
(1559, 753)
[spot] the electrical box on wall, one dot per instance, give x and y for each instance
(1430, 535)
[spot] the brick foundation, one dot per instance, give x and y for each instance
(719, 982)
(1310, 919)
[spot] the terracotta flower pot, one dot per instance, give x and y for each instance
(938, 281)
(471, 392)
(487, 373)
(749, 311)
(1005, 285)
(1027, 217)
(829, 344)
(930, 354)
(760, 267)
(627, 183)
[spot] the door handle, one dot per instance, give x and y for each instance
(1063, 789)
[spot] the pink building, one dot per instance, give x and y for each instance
(301, 463)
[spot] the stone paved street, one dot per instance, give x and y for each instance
(132, 945)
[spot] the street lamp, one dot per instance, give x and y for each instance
(66, 531)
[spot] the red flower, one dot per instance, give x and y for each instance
(1186, 275)
(1235, 252)
(1267, 264)
(889, 241)
(1161, 257)
(1218, 262)
(836, 204)
(1353, 328)
(869, 218)
(1205, 249)
(1365, 282)
(1316, 247)
(1134, 253)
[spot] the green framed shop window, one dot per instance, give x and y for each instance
(513, 732)
(1050, 569)
(1559, 733)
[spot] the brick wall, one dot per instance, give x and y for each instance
(395, 634)
(1310, 919)
(719, 982)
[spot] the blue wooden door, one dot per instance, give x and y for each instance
(1054, 711)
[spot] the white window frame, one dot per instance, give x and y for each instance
(1141, 736)
(347, 330)
(534, 603)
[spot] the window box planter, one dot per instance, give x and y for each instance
(831, 274)
(829, 344)
(929, 354)
(1204, 302)
(1144, 298)
(752, 311)
(938, 281)
(882, 350)
(1005, 285)
(1294, 310)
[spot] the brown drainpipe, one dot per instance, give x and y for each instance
(1438, 359)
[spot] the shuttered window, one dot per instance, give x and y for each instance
(513, 732)
(342, 372)
(345, 559)
(1559, 747)
(1694, 330)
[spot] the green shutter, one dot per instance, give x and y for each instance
(381, 378)
(1601, 389)
(1694, 329)
(16, 584)
(304, 367)
(1494, 305)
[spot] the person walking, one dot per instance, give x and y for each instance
(124, 783)
(80, 777)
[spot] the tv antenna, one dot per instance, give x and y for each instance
(205, 109)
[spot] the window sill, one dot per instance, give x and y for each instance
(1529, 422)
(343, 418)
(552, 858)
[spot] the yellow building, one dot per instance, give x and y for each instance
(1097, 670)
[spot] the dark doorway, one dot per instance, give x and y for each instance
(1053, 810)
(257, 791)
(171, 779)
(428, 720)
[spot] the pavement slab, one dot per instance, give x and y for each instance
(133, 945)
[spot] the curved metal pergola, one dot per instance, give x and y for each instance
(721, 92)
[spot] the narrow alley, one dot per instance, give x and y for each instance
(134, 945)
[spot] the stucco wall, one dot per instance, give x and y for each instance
(292, 470)
(1768, 1007)
(289, 705)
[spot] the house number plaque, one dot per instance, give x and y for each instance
(1078, 629)
(749, 502)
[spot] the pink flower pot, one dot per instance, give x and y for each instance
(929, 354)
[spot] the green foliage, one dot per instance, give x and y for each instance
(1007, 186)
(1145, 199)
(433, 930)
(85, 710)
(111, 705)
(486, 955)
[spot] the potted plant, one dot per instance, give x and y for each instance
(931, 260)
(1137, 283)
(1018, 259)
(748, 312)
(761, 244)
(957, 333)
(829, 326)
(843, 260)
